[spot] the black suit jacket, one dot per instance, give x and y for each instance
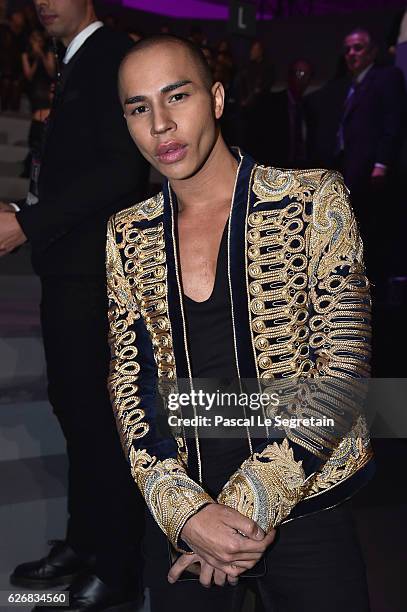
(373, 125)
(280, 137)
(90, 167)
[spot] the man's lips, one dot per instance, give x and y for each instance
(171, 152)
(47, 19)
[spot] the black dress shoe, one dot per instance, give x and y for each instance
(89, 594)
(58, 568)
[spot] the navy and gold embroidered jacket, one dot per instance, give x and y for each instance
(300, 308)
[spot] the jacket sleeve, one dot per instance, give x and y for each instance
(155, 456)
(272, 481)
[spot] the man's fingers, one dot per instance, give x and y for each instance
(206, 575)
(233, 580)
(244, 556)
(242, 565)
(180, 566)
(243, 525)
(238, 544)
(219, 577)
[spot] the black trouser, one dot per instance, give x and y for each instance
(105, 509)
(315, 565)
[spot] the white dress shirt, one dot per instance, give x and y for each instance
(77, 42)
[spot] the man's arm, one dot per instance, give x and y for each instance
(156, 465)
(272, 481)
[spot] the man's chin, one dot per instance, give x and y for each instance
(52, 32)
(176, 171)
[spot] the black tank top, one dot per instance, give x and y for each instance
(212, 353)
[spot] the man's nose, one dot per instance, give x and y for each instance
(162, 122)
(41, 3)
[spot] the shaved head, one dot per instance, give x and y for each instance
(164, 40)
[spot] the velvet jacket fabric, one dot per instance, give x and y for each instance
(300, 309)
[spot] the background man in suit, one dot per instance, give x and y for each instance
(357, 124)
(369, 130)
(90, 169)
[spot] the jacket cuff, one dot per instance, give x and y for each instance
(171, 496)
(32, 224)
(267, 486)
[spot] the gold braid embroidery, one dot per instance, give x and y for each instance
(352, 454)
(267, 486)
(139, 288)
(288, 342)
(278, 272)
(172, 497)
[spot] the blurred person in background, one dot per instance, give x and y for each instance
(224, 72)
(111, 21)
(13, 42)
(31, 17)
(89, 169)
(224, 46)
(135, 34)
(39, 68)
(357, 126)
(197, 36)
(397, 31)
(288, 116)
(209, 55)
(255, 82)
(19, 28)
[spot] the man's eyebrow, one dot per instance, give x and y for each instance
(175, 85)
(134, 99)
(163, 90)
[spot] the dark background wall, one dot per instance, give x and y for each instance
(317, 38)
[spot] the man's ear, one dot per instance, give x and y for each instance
(218, 96)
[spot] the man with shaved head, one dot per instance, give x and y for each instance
(234, 271)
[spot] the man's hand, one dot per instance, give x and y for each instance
(11, 234)
(4, 207)
(378, 176)
(207, 574)
(226, 539)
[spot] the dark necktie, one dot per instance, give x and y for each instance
(349, 100)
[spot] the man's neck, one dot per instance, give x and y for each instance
(212, 186)
(88, 19)
(358, 78)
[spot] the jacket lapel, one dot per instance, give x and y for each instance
(237, 268)
(174, 285)
(360, 92)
